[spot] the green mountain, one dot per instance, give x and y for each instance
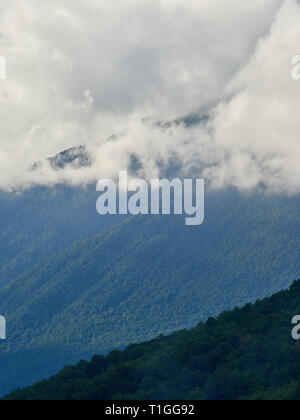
(38, 223)
(144, 277)
(245, 354)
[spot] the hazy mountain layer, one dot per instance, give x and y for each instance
(145, 277)
(246, 354)
(38, 223)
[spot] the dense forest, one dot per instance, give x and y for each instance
(40, 222)
(82, 287)
(245, 354)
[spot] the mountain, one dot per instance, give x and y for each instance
(38, 223)
(140, 278)
(75, 157)
(246, 354)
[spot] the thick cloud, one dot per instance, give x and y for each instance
(258, 130)
(80, 72)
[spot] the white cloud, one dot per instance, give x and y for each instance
(79, 72)
(258, 130)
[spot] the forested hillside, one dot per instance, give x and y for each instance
(244, 354)
(38, 223)
(145, 277)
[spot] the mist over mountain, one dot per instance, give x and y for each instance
(176, 59)
(77, 157)
(158, 89)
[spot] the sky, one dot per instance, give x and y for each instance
(108, 73)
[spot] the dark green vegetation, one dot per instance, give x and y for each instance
(244, 354)
(134, 281)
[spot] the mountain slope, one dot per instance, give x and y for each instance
(38, 223)
(145, 277)
(244, 354)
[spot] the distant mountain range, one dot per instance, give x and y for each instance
(77, 157)
(246, 354)
(75, 284)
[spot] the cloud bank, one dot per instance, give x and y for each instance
(103, 73)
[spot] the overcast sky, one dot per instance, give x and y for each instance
(79, 72)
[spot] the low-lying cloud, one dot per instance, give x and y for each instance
(110, 74)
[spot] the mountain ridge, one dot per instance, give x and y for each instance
(144, 277)
(245, 354)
